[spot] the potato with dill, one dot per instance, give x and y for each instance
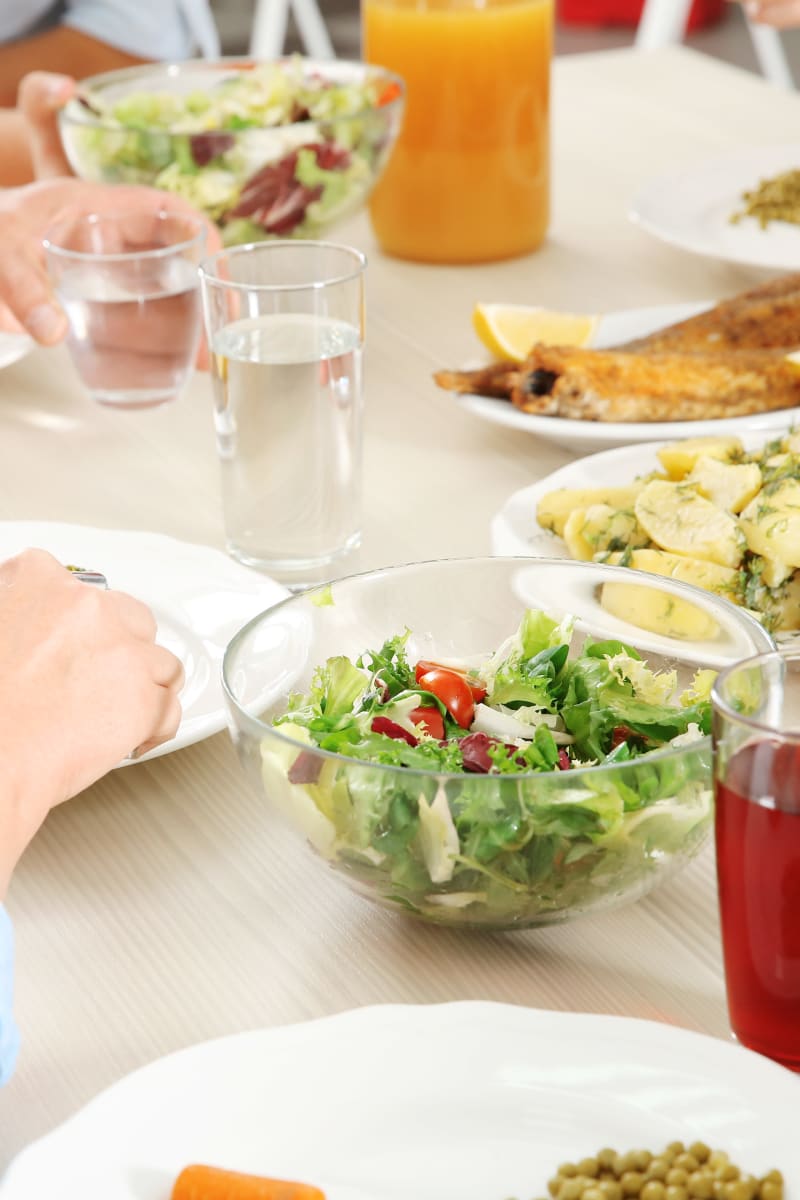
(678, 1172)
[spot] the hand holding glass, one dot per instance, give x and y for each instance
(757, 775)
(128, 284)
(285, 324)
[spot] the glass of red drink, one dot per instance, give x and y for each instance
(756, 735)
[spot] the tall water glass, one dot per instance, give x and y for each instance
(128, 283)
(757, 780)
(285, 323)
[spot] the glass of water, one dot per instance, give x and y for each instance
(129, 285)
(285, 325)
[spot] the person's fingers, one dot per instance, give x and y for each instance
(782, 14)
(39, 99)
(26, 290)
(135, 616)
(166, 726)
(167, 669)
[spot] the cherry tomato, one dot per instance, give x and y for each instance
(453, 691)
(429, 719)
(475, 686)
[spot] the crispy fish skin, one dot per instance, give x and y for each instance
(608, 385)
(763, 318)
(498, 380)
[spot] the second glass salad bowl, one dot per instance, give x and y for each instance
(280, 149)
(493, 742)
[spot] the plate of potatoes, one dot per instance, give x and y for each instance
(719, 512)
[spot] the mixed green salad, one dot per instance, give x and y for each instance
(498, 814)
(271, 150)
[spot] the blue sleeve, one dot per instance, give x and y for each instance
(169, 30)
(9, 1037)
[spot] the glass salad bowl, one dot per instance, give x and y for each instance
(280, 149)
(493, 742)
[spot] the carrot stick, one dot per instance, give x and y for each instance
(212, 1183)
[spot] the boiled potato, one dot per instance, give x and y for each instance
(708, 575)
(593, 531)
(728, 485)
(771, 523)
(677, 518)
(775, 572)
(786, 610)
(554, 508)
(679, 458)
(658, 612)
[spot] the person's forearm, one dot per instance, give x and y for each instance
(15, 162)
(62, 49)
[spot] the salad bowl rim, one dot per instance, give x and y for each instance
(626, 574)
(77, 113)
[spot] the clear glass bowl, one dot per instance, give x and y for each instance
(252, 182)
(543, 857)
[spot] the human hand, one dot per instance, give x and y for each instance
(26, 213)
(40, 97)
(82, 685)
(782, 14)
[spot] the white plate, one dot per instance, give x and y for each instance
(582, 437)
(515, 530)
(199, 596)
(470, 1101)
(692, 207)
(13, 346)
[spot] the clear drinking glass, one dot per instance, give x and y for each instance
(128, 283)
(285, 324)
(757, 783)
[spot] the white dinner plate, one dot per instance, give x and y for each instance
(13, 347)
(469, 1101)
(583, 437)
(515, 530)
(692, 208)
(199, 596)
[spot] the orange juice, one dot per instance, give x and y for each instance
(468, 180)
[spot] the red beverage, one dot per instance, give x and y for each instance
(758, 866)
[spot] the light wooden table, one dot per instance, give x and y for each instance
(161, 907)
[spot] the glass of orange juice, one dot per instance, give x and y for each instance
(469, 177)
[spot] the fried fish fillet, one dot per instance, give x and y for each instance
(726, 362)
(608, 385)
(763, 318)
(498, 380)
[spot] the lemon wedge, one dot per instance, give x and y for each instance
(509, 330)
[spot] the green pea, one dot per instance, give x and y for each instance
(568, 1170)
(631, 1183)
(674, 1192)
(653, 1190)
(700, 1150)
(770, 1189)
(593, 1193)
(611, 1189)
(658, 1169)
(571, 1189)
(727, 1172)
(677, 1177)
(588, 1166)
(687, 1161)
(701, 1185)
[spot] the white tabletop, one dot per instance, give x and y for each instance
(161, 907)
